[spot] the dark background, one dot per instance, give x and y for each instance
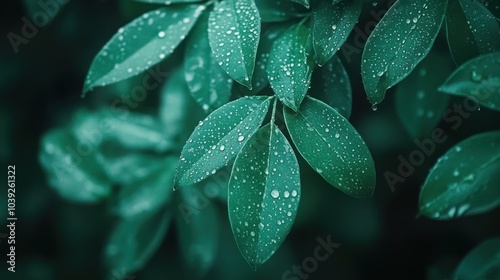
(380, 237)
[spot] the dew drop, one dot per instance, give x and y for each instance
(241, 138)
(222, 147)
(275, 193)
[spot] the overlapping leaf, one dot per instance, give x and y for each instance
(483, 262)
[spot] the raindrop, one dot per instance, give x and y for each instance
(241, 138)
(222, 147)
(275, 193)
(294, 193)
(161, 34)
(475, 76)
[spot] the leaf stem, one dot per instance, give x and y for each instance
(273, 114)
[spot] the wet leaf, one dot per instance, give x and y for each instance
(264, 194)
(483, 262)
(332, 147)
(331, 24)
(72, 169)
(140, 44)
(493, 6)
(279, 10)
(479, 80)
(233, 32)
(400, 41)
(331, 85)
(419, 104)
(218, 139)
(472, 30)
(290, 66)
(208, 83)
(304, 3)
(465, 180)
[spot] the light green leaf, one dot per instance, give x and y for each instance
(149, 195)
(330, 84)
(304, 3)
(331, 24)
(290, 66)
(72, 169)
(399, 42)
(233, 32)
(264, 194)
(420, 106)
(279, 10)
(142, 43)
(479, 80)
(218, 139)
(332, 147)
(465, 180)
(198, 232)
(134, 241)
(483, 262)
(472, 30)
(207, 81)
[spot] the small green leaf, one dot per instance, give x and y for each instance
(218, 139)
(483, 262)
(478, 79)
(142, 43)
(281, 10)
(472, 30)
(290, 66)
(233, 32)
(264, 194)
(420, 106)
(465, 180)
(399, 42)
(198, 231)
(332, 147)
(330, 84)
(207, 81)
(331, 24)
(304, 3)
(134, 241)
(149, 195)
(72, 169)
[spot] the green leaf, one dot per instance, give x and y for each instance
(72, 169)
(264, 194)
(142, 43)
(483, 262)
(290, 66)
(168, 2)
(420, 106)
(281, 10)
(149, 195)
(218, 139)
(399, 42)
(198, 231)
(493, 6)
(472, 30)
(134, 241)
(207, 81)
(465, 180)
(332, 147)
(233, 32)
(331, 24)
(479, 80)
(304, 3)
(330, 84)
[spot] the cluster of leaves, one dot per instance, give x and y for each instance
(244, 47)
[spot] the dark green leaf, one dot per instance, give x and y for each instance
(465, 180)
(330, 84)
(332, 147)
(483, 262)
(134, 241)
(399, 42)
(142, 43)
(233, 32)
(149, 195)
(304, 3)
(71, 167)
(264, 194)
(472, 30)
(207, 81)
(479, 80)
(419, 104)
(279, 10)
(331, 24)
(493, 6)
(218, 139)
(198, 231)
(290, 66)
